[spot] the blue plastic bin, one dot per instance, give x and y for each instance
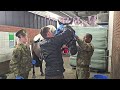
(99, 76)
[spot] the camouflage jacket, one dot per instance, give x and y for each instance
(85, 52)
(21, 60)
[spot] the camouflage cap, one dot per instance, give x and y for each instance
(21, 32)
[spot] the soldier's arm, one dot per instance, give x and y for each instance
(30, 62)
(88, 47)
(92, 50)
(15, 62)
(80, 42)
(83, 45)
(65, 36)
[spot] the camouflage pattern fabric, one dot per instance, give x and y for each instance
(85, 52)
(21, 64)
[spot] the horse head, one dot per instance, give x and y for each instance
(37, 39)
(36, 46)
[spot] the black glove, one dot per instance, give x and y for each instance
(76, 37)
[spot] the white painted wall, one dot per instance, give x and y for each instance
(110, 36)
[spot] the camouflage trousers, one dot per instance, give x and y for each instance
(82, 73)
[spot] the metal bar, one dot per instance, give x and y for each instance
(65, 14)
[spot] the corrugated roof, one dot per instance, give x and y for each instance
(46, 14)
(69, 13)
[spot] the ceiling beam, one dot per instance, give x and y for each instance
(66, 14)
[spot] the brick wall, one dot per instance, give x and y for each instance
(115, 66)
(31, 32)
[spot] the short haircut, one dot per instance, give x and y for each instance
(21, 32)
(89, 35)
(44, 31)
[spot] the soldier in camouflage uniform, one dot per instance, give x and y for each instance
(85, 52)
(20, 64)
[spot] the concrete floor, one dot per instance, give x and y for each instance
(68, 74)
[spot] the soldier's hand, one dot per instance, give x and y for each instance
(77, 37)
